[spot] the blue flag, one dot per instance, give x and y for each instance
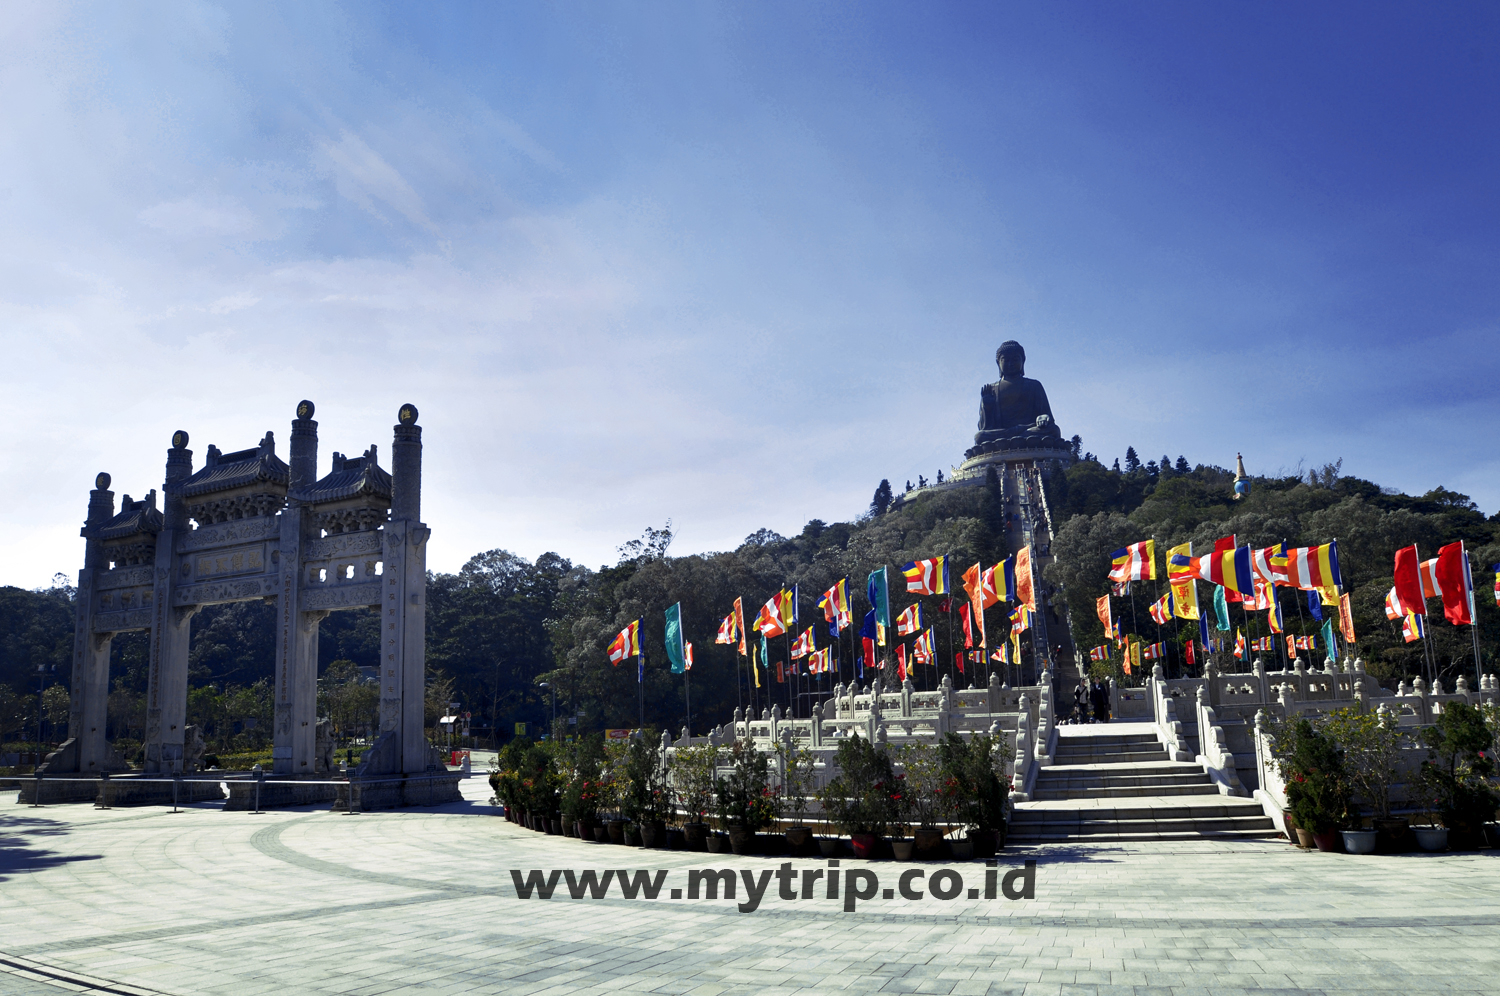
(1315, 605)
(867, 631)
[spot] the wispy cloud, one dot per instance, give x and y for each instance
(361, 175)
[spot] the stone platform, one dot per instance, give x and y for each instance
(209, 903)
(122, 790)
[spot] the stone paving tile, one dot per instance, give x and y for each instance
(421, 901)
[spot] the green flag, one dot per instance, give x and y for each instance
(1328, 644)
(880, 599)
(765, 652)
(675, 652)
(1221, 609)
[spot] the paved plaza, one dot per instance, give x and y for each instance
(204, 901)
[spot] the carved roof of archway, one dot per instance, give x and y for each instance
(135, 518)
(226, 471)
(354, 477)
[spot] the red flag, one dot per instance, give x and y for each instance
(959, 660)
(963, 613)
(1190, 658)
(1409, 580)
(1452, 573)
(901, 662)
(945, 605)
(869, 645)
(781, 672)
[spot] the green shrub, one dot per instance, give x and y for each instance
(744, 798)
(866, 796)
(1459, 766)
(973, 775)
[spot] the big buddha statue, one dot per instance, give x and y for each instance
(1013, 411)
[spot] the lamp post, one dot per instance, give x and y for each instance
(41, 687)
(553, 691)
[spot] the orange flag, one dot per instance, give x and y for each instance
(974, 585)
(1025, 592)
(1346, 618)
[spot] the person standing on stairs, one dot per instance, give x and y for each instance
(1100, 697)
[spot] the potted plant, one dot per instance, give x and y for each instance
(745, 800)
(646, 798)
(613, 780)
(1316, 785)
(581, 795)
(974, 784)
(797, 765)
(863, 799)
(693, 785)
(1371, 747)
(1457, 773)
(924, 795)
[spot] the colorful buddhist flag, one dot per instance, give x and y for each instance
(789, 601)
(626, 644)
(1161, 609)
(835, 606)
(687, 653)
(769, 623)
(805, 644)
(1239, 644)
(1020, 619)
(1001, 654)
(1136, 562)
(739, 622)
(1273, 611)
(1269, 564)
(1154, 651)
(910, 620)
(1132, 655)
(927, 577)
(727, 631)
(1314, 567)
(921, 651)
(1184, 590)
(1414, 628)
(1005, 579)
(1230, 569)
(1496, 569)
(1099, 653)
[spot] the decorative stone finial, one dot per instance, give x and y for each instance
(179, 440)
(101, 483)
(305, 409)
(408, 414)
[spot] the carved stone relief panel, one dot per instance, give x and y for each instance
(344, 596)
(122, 577)
(341, 545)
(229, 533)
(224, 591)
(118, 622)
(236, 560)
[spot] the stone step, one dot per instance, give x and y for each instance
(1191, 807)
(1065, 737)
(1135, 837)
(1085, 827)
(1124, 791)
(1103, 758)
(1123, 774)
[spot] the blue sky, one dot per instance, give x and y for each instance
(733, 264)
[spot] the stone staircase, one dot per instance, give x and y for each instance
(1115, 783)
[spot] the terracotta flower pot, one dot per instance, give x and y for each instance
(901, 849)
(653, 834)
(1328, 841)
(1290, 822)
(1304, 839)
(601, 834)
(586, 828)
(863, 844)
(694, 835)
(616, 830)
(741, 840)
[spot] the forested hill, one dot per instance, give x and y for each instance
(502, 623)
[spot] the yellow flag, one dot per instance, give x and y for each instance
(1184, 593)
(755, 663)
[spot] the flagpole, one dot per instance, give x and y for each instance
(687, 691)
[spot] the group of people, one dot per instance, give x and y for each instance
(1090, 702)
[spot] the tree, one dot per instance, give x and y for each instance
(882, 500)
(1116, 467)
(1132, 462)
(1166, 465)
(1076, 445)
(1182, 465)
